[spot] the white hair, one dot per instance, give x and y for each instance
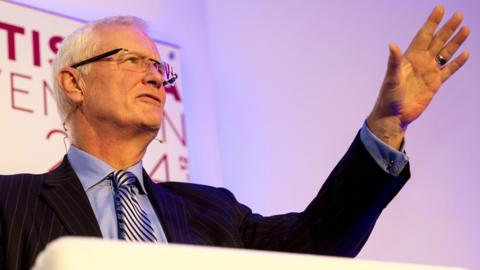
(79, 46)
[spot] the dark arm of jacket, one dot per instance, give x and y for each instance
(337, 222)
(340, 218)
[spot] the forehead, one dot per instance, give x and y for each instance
(128, 37)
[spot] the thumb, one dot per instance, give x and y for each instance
(394, 60)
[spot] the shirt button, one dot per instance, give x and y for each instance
(390, 164)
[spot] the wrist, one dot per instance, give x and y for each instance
(389, 129)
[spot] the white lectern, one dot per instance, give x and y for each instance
(72, 253)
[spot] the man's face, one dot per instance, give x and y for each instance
(119, 99)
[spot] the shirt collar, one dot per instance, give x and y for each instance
(91, 170)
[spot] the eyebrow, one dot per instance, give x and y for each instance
(143, 55)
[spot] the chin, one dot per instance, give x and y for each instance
(151, 126)
(146, 120)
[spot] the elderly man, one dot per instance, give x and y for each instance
(109, 84)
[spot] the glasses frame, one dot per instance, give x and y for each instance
(170, 81)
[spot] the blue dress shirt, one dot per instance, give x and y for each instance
(92, 173)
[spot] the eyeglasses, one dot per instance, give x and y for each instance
(133, 61)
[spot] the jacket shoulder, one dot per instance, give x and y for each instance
(16, 184)
(184, 187)
(199, 193)
(22, 177)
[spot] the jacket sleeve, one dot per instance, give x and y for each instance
(340, 218)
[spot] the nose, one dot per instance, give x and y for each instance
(153, 77)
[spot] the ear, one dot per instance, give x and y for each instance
(71, 83)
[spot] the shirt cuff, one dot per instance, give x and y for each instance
(388, 158)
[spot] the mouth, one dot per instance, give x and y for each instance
(150, 99)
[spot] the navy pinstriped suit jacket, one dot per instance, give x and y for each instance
(35, 209)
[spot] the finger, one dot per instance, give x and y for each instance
(424, 36)
(442, 36)
(394, 61)
(453, 66)
(449, 50)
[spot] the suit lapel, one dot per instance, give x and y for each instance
(172, 211)
(64, 194)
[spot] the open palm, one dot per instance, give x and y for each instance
(412, 79)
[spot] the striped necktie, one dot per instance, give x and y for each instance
(133, 222)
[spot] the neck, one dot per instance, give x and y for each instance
(118, 149)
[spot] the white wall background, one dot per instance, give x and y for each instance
(276, 90)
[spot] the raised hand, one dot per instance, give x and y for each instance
(412, 79)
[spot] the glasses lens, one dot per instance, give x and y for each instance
(159, 66)
(132, 61)
(136, 62)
